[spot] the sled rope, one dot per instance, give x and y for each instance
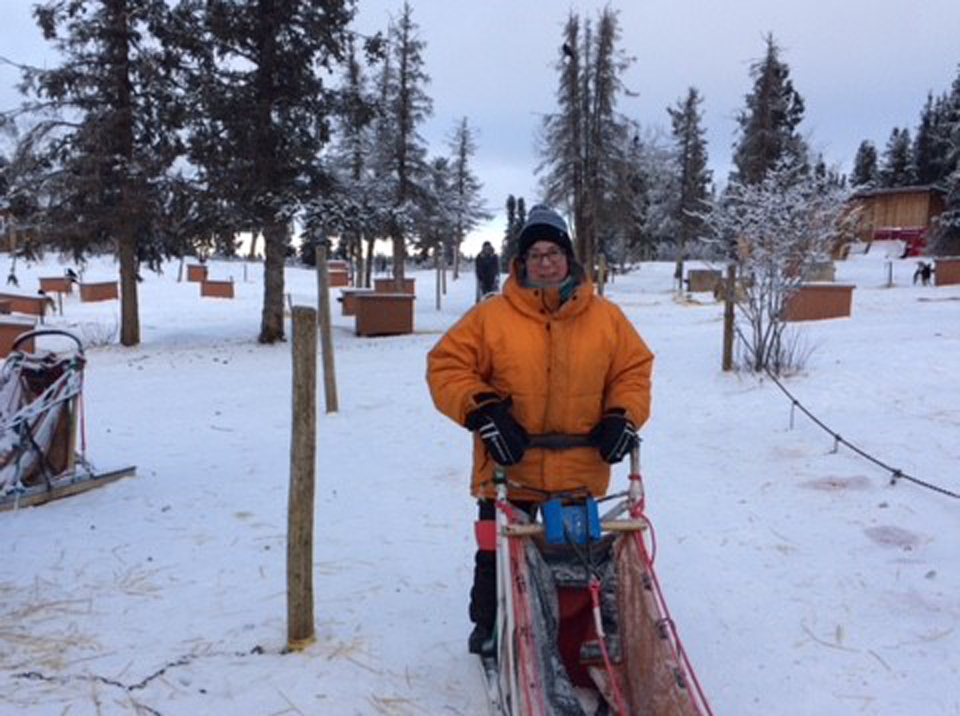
(602, 640)
(61, 390)
(676, 645)
(594, 586)
(895, 473)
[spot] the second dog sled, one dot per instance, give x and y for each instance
(40, 418)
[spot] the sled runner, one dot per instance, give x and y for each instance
(40, 411)
(582, 627)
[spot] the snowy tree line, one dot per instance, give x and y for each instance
(171, 127)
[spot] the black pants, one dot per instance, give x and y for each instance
(483, 595)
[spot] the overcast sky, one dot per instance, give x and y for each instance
(862, 67)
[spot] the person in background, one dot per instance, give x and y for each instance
(548, 355)
(487, 267)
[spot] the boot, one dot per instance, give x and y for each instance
(481, 641)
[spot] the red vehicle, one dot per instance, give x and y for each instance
(914, 239)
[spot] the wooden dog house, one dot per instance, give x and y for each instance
(216, 289)
(348, 299)
(33, 305)
(384, 314)
(946, 270)
(196, 272)
(99, 291)
(818, 301)
(11, 328)
(56, 284)
(392, 285)
(702, 280)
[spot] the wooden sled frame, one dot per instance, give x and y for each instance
(63, 486)
(655, 675)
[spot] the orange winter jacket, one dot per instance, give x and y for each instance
(561, 368)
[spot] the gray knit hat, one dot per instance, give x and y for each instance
(544, 224)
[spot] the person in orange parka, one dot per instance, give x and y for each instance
(548, 355)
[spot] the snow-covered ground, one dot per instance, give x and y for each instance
(801, 581)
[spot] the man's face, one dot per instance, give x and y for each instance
(546, 263)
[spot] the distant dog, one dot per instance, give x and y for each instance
(923, 273)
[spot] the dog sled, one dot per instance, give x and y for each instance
(582, 626)
(40, 416)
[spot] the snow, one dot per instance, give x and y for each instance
(801, 580)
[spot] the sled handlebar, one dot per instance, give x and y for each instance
(45, 332)
(560, 441)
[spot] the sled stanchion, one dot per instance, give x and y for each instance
(509, 686)
(300, 627)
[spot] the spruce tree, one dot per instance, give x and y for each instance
(405, 106)
(352, 206)
(582, 141)
(468, 208)
(865, 172)
(896, 169)
(769, 123)
(516, 217)
(106, 135)
(262, 117)
(695, 178)
(926, 153)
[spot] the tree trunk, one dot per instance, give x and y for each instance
(399, 256)
(437, 259)
(368, 277)
(359, 268)
(129, 304)
(275, 249)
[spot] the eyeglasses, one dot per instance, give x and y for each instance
(553, 256)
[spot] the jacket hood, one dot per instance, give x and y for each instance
(547, 303)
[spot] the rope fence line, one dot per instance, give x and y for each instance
(895, 473)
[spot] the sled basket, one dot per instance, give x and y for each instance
(582, 626)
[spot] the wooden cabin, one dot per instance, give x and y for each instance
(900, 213)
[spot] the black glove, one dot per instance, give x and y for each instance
(614, 435)
(504, 437)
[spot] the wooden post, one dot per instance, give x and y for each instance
(326, 332)
(728, 316)
(437, 258)
(601, 274)
(300, 627)
(443, 272)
